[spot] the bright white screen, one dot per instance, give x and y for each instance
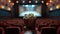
(30, 9)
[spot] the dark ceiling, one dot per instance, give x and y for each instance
(30, 0)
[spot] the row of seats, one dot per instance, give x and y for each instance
(10, 30)
(48, 22)
(37, 21)
(17, 30)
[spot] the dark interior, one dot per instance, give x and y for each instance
(11, 31)
(39, 16)
(49, 31)
(0, 31)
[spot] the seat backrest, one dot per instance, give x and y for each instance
(0, 31)
(12, 31)
(48, 31)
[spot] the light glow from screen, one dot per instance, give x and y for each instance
(30, 9)
(30, 12)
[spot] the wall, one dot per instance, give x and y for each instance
(4, 13)
(55, 13)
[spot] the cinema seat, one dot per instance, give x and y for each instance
(58, 30)
(48, 30)
(1, 30)
(12, 30)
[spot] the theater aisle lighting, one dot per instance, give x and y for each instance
(23, 1)
(51, 1)
(9, 1)
(51, 9)
(12, 3)
(17, 1)
(8, 8)
(58, 6)
(29, 1)
(42, 1)
(36, 1)
(2, 6)
(47, 3)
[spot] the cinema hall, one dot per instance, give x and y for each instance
(29, 16)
